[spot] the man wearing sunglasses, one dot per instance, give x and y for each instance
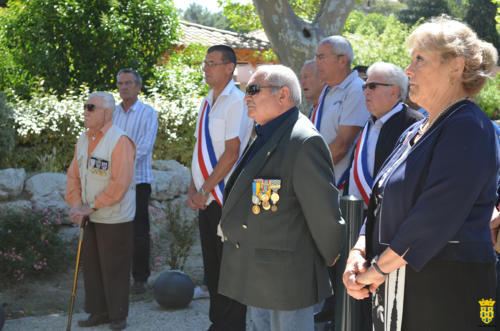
(100, 185)
(140, 122)
(342, 111)
(222, 130)
(281, 221)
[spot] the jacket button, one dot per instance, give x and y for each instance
(225, 238)
(237, 245)
(244, 226)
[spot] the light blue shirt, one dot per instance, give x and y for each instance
(140, 123)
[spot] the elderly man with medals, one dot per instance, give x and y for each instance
(281, 221)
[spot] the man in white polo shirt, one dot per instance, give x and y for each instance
(140, 122)
(342, 112)
(222, 131)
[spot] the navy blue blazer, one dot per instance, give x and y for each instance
(437, 202)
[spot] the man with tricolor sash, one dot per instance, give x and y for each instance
(385, 88)
(222, 131)
(341, 112)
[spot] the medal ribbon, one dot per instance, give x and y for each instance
(318, 112)
(362, 177)
(206, 154)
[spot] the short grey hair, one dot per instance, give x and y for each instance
(107, 98)
(340, 46)
(392, 74)
(279, 75)
(311, 62)
(137, 76)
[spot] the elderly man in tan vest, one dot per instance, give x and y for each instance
(100, 185)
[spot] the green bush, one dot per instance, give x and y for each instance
(6, 130)
(489, 98)
(30, 246)
(70, 42)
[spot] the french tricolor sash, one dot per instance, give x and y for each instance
(206, 154)
(318, 111)
(362, 177)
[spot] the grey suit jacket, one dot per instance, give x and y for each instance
(278, 260)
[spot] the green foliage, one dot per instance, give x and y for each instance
(418, 9)
(489, 98)
(67, 43)
(481, 18)
(375, 37)
(30, 246)
(382, 7)
(6, 130)
(178, 233)
(244, 18)
(198, 14)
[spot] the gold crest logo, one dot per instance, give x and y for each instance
(487, 311)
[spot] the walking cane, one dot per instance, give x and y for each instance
(80, 239)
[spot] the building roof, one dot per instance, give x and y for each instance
(208, 36)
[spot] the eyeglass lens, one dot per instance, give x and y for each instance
(89, 107)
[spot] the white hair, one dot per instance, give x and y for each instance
(340, 46)
(279, 75)
(108, 99)
(392, 74)
(312, 63)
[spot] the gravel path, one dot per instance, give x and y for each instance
(143, 316)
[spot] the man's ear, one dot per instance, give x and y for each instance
(284, 94)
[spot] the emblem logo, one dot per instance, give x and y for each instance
(487, 310)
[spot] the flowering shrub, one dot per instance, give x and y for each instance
(30, 246)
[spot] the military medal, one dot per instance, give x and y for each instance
(255, 198)
(275, 186)
(266, 205)
(256, 209)
(274, 208)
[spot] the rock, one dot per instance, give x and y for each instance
(48, 190)
(11, 183)
(170, 165)
(18, 205)
(169, 184)
(47, 183)
(185, 213)
(69, 233)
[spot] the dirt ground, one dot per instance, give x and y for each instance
(53, 295)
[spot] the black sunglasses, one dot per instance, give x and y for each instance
(255, 88)
(373, 85)
(89, 107)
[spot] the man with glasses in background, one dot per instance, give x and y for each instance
(140, 122)
(342, 112)
(222, 131)
(101, 186)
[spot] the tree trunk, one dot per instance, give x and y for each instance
(295, 40)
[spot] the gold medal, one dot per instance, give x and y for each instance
(266, 205)
(255, 209)
(275, 197)
(274, 208)
(264, 197)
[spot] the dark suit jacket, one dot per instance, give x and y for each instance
(388, 137)
(278, 260)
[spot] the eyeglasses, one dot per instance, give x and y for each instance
(373, 85)
(212, 64)
(89, 107)
(323, 57)
(255, 88)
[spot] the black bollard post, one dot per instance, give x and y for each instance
(348, 310)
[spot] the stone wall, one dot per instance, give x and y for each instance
(46, 190)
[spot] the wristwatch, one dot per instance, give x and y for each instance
(202, 191)
(92, 205)
(377, 268)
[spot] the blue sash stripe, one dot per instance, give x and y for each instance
(210, 147)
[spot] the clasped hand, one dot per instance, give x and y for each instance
(357, 276)
(77, 213)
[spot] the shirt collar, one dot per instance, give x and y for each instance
(266, 131)
(389, 114)
(348, 80)
(133, 108)
(225, 92)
